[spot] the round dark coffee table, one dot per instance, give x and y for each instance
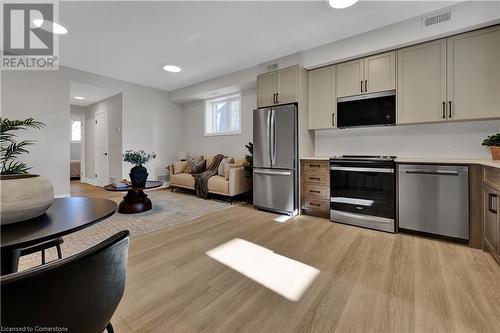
(135, 201)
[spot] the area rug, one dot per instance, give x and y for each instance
(169, 208)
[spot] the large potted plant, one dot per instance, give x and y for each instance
(138, 174)
(493, 142)
(24, 195)
(249, 169)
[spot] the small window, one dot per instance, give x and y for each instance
(76, 131)
(223, 115)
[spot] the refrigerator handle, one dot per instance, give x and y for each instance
(273, 128)
(269, 136)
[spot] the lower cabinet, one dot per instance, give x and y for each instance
(491, 229)
(315, 187)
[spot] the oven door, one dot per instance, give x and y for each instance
(363, 189)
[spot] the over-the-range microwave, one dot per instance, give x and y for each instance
(375, 109)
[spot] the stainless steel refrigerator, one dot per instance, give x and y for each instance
(275, 159)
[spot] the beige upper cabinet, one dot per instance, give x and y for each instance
(422, 83)
(321, 98)
(287, 85)
(266, 89)
(278, 87)
(474, 75)
(380, 72)
(350, 78)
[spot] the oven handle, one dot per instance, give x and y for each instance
(381, 170)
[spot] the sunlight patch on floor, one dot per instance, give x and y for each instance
(283, 218)
(286, 277)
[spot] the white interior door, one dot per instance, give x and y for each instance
(101, 147)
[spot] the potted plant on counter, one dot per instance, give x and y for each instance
(138, 174)
(493, 142)
(24, 196)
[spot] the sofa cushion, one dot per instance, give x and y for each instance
(182, 179)
(218, 184)
(179, 166)
(197, 166)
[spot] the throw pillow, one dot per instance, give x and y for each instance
(197, 166)
(179, 166)
(187, 168)
(222, 164)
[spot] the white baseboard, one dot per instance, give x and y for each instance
(62, 196)
(89, 181)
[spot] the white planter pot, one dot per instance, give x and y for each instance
(24, 197)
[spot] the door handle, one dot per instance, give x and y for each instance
(490, 202)
(444, 110)
(366, 85)
(333, 119)
(449, 115)
(105, 154)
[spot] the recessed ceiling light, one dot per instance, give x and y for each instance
(172, 68)
(53, 27)
(80, 98)
(339, 4)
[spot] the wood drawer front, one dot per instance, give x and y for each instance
(317, 204)
(492, 177)
(316, 192)
(316, 166)
(316, 178)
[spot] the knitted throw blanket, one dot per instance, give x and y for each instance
(201, 179)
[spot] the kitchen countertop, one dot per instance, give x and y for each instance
(430, 160)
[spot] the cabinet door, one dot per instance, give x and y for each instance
(422, 83)
(321, 98)
(491, 232)
(380, 72)
(474, 74)
(288, 85)
(266, 88)
(350, 79)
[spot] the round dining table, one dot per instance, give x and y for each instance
(64, 216)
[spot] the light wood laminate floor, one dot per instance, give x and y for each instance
(369, 281)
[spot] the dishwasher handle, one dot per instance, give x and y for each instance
(490, 202)
(432, 172)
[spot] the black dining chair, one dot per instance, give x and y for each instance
(56, 242)
(77, 294)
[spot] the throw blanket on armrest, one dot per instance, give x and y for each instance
(201, 179)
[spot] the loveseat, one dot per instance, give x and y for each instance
(233, 183)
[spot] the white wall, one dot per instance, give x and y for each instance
(447, 140)
(150, 120)
(194, 140)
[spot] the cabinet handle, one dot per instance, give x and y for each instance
(314, 191)
(333, 119)
(366, 85)
(490, 202)
(314, 204)
(444, 110)
(314, 166)
(277, 99)
(361, 86)
(314, 178)
(449, 115)
(274, 98)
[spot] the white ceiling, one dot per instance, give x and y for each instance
(91, 94)
(131, 41)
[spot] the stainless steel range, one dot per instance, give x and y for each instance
(363, 191)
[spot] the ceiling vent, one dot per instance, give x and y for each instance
(272, 67)
(437, 19)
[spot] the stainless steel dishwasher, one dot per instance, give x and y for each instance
(434, 199)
